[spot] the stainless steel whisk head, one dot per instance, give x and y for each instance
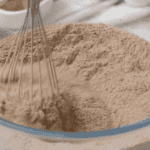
(17, 56)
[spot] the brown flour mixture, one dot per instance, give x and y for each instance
(104, 77)
(77, 109)
(14, 5)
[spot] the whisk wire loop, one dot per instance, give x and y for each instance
(50, 59)
(10, 62)
(16, 57)
(20, 72)
(39, 66)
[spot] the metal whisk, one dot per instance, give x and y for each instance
(16, 56)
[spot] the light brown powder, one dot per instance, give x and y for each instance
(14, 5)
(114, 71)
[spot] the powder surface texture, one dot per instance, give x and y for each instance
(15, 5)
(114, 71)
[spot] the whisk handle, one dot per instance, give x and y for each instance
(33, 4)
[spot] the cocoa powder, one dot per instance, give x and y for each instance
(15, 5)
(114, 71)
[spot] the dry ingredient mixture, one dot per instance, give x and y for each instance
(104, 78)
(14, 5)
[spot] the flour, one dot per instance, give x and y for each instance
(15, 5)
(114, 71)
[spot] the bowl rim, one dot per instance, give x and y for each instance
(75, 136)
(5, 12)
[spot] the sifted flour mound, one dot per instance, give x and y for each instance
(114, 71)
(76, 109)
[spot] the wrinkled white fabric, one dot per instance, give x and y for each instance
(122, 16)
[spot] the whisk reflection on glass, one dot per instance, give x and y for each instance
(17, 56)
